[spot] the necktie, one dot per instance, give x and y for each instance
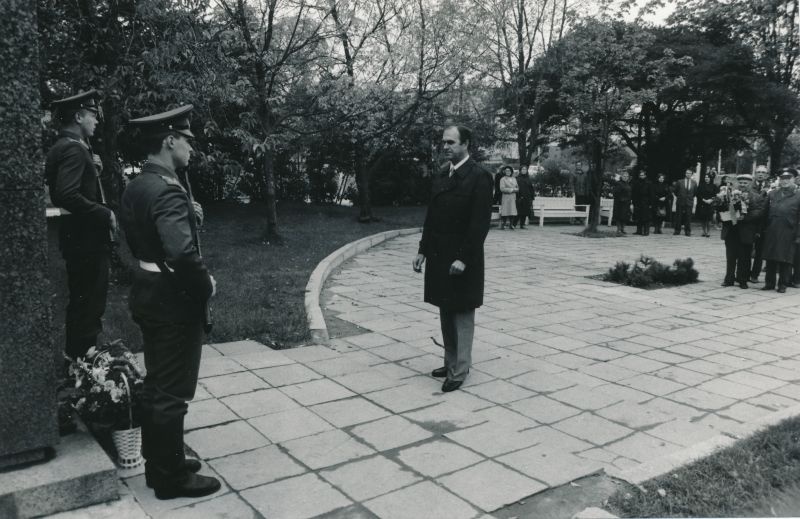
(687, 185)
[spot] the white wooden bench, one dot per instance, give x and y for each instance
(559, 207)
(607, 209)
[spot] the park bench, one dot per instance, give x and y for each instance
(607, 209)
(559, 207)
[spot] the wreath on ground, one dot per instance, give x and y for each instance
(649, 273)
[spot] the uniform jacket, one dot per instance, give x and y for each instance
(72, 179)
(455, 228)
(684, 197)
(642, 194)
(782, 225)
(160, 225)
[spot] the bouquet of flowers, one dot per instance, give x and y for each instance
(731, 203)
(108, 386)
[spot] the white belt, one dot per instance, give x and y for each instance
(151, 267)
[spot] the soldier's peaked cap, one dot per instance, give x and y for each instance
(86, 100)
(176, 120)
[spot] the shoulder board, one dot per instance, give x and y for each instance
(83, 144)
(172, 182)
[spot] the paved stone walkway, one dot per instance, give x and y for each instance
(571, 376)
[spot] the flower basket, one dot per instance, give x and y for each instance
(128, 442)
(107, 395)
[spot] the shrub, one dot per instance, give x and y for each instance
(647, 272)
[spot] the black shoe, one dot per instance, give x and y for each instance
(727, 284)
(451, 385)
(754, 280)
(767, 287)
(675, 233)
(190, 485)
(791, 285)
(743, 284)
(781, 289)
(439, 372)
(688, 234)
(189, 464)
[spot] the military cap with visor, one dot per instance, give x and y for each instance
(164, 123)
(744, 176)
(788, 173)
(84, 100)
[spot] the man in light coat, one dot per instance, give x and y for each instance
(456, 225)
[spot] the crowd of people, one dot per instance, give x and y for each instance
(758, 219)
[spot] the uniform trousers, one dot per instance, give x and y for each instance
(796, 266)
(458, 330)
(87, 280)
(782, 269)
(172, 358)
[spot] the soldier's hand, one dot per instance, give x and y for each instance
(457, 268)
(417, 263)
(213, 285)
(198, 212)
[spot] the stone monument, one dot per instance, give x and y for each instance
(28, 422)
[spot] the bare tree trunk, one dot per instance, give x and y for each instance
(271, 235)
(596, 185)
(364, 196)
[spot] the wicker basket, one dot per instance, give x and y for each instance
(128, 442)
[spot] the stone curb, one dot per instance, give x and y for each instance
(650, 470)
(315, 319)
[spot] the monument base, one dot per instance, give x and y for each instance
(80, 474)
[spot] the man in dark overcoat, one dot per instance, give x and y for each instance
(761, 184)
(525, 196)
(782, 232)
(684, 191)
(85, 233)
(642, 198)
(739, 230)
(456, 225)
(170, 290)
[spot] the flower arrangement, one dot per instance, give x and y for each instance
(731, 203)
(107, 386)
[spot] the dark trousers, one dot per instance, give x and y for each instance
(737, 256)
(758, 262)
(172, 358)
(87, 280)
(523, 211)
(783, 270)
(458, 330)
(796, 266)
(683, 218)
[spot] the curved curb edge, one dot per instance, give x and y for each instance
(314, 317)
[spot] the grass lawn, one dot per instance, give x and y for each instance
(260, 288)
(757, 477)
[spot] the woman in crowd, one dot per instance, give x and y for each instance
(662, 201)
(622, 202)
(508, 201)
(642, 196)
(782, 231)
(705, 194)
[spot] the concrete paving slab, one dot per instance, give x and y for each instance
(552, 466)
(371, 477)
(290, 424)
(287, 375)
(316, 392)
(300, 497)
(256, 467)
(208, 412)
(490, 485)
(424, 499)
(327, 449)
(437, 457)
(229, 506)
(257, 403)
(350, 411)
(390, 432)
(233, 384)
(222, 440)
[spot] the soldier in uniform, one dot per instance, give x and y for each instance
(170, 292)
(85, 233)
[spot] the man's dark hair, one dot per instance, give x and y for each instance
(66, 116)
(464, 133)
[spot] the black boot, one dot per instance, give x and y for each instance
(165, 464)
